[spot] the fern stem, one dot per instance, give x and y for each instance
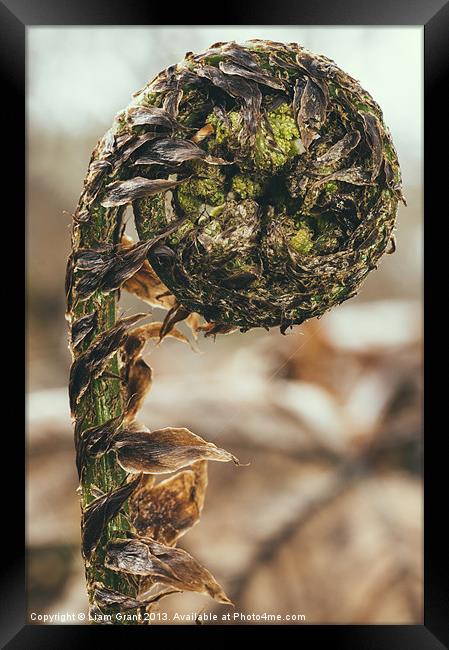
(102, 401)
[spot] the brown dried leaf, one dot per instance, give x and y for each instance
(172, 100)
(108, 267)
(176, 314)
(150, 116)
(167, 151)
(353, 175)
(169, 509)
(122, 192)
(129, 146)
(105, 597)
(138, 384)
(235, 52)
(68, 284)
(96, 441)
(124, 266)
(82, 327)
(193, 320)
(297, 94)
(138, 338)
(91, 363)
(258, 75)
(201, 481)
(316, 68)
(162, 564)
(391, 245)
(146, 285)
(79, 380)
(312, 112)
(340, 149)
(102, 510)
(91, 259)
(164, 451)
(109, 341)
(203, 133)
(212, 329)
(374, 137)
(243, 89)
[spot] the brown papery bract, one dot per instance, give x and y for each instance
(145, 284)
(138, 384)
(105, 597)
(212, 329)
(194, 321)
(245, 90)
(176, 314)
(162, 564)
(150, 116)
(168, 510)
(123, 192)
(256, 74)
(96, 441)
(92, 363)
(108, 267)
(312, 111)
(102, 510)
(203, 133)
(138, 338)
(82, 328)
(175, 152)
(164, 451)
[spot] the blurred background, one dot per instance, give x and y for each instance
(326, 521)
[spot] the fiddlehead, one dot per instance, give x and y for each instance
(264, 185)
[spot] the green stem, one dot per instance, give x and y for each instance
(102, 400)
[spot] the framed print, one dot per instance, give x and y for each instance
(225, 321)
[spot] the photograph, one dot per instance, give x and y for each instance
(224, 325)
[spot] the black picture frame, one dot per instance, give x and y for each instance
(433, 16)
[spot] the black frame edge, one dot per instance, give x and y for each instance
(435, 19)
